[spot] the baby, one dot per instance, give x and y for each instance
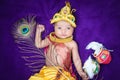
(60, 50)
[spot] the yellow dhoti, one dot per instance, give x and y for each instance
(52, 73)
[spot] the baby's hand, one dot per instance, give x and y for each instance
(84, 76)
(40, 28)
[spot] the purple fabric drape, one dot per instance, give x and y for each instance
(97, 20)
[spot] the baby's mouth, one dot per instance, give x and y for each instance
(63, 34)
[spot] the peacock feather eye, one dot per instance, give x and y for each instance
(24, 29)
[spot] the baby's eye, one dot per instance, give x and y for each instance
(59, 27)
(68, 28)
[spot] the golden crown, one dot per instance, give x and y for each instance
(65, 14)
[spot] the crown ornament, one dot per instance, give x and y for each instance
(65, 14)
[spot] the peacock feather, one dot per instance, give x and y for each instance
(23, 32)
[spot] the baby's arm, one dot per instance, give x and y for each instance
(39, 43)
(77, 61)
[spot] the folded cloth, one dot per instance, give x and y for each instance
(52, 73)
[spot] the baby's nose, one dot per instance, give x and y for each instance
(63, 31)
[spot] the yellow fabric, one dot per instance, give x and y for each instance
(65, 14)
(59, 40)
(52, 73)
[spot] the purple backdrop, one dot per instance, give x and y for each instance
(97, 20)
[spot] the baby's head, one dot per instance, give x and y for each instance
(63, 29)
(64, 22)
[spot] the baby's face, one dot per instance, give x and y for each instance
(63, 29)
